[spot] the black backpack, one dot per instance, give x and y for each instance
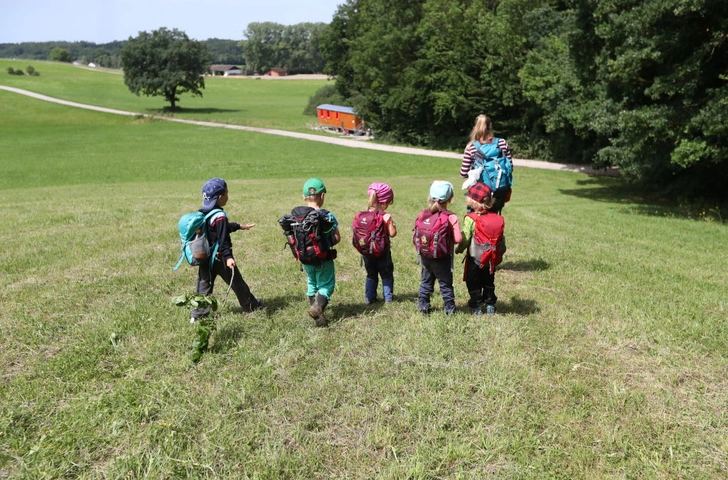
(304, 229)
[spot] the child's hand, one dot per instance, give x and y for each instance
(230, 263)
(247, 226)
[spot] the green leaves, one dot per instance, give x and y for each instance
(164, 63)
(196, 300)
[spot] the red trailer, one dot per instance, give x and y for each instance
(341, 119)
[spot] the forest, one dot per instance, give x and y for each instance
(640, 85)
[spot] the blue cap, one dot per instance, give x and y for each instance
(441, 191)
(212, 189)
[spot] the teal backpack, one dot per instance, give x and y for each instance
(497, 168)
(193, 234)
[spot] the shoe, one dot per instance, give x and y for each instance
(426, 311)
(490, 310)
(317, 311)
(370, 302)
(476, 311)
(193, 319)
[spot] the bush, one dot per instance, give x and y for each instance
(31, 71)
(12, 71)
(325, 94)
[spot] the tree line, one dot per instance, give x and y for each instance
(640, 85)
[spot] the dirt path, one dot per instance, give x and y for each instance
(345, 142)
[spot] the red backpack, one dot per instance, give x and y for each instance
(370, 237)
(433, 236)
(488, 244)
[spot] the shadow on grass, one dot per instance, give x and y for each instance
(636, 201)
(535, 264)
(165, 112)
(518, 306)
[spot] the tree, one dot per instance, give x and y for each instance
(164, 63)
(60, 55)
(293, 47)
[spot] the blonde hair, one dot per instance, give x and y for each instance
(483, 129)
(434, 206)
(486, 205)
(374, 203)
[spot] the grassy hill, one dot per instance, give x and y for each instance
(607, 359)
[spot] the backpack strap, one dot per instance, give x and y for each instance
(212, 213)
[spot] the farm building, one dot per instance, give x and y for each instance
(225, 70)
(276, 72)
(343, 119)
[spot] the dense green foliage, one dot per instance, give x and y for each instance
(640, 85)
(109, 54)
(164, 63)
(59, 54)
(293, 47)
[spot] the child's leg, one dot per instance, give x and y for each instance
(387, 272)
(247, 301)
(444, 278)
(372, 281)
(474, 284)
(205, 280)
(427, 286)
(489, 296)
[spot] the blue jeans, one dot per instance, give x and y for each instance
(375, 268)
(439, 269)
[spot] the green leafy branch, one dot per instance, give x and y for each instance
(203, 326)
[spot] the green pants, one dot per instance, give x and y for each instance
(321, 279)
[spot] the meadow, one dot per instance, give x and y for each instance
(607, 358)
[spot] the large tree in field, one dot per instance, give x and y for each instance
(164, 63)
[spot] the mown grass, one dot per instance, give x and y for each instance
(608, 359)
(240, 101)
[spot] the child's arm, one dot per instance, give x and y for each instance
(466, 233)
(391, 227)
(457, 234)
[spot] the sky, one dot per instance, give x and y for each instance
(103, 21)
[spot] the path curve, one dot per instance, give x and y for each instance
(345, 142)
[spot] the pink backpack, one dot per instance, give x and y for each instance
(433, 236)
(370, 237)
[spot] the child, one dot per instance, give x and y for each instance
(381, 197)
(321, 274)
(483, 238)
(436, 254)
(215, 195)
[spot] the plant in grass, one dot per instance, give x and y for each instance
(203, 326)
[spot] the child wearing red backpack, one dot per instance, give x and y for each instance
(372, 229)
(436, 232)
(485, 243)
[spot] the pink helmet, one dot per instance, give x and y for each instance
(384, 192)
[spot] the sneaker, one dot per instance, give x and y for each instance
(193, 319)
(425, 311)
(490, 310)
(476, 311)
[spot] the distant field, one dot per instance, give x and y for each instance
(607, 359)
(256, 103)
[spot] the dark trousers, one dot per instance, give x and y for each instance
(379, 267)
(205, 283)
(480, 283)
(439, 269)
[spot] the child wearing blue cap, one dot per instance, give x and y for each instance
(215, 196)
(436, 232)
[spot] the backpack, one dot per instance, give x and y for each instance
(433, 236)
(488, 243)
(497, 170)
(370, 236)
(193, 234)
(305, 229)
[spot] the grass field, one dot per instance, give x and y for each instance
(607, 358)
